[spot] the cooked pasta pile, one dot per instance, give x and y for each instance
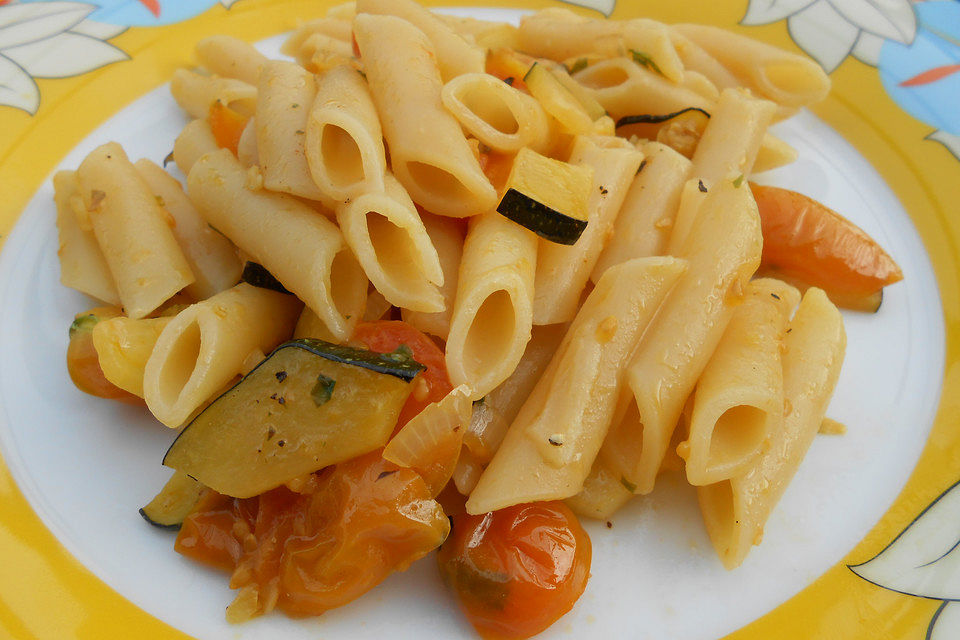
(564, 206)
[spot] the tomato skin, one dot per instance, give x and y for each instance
(83, 364)
(516, 571)
(386, 336)
(227, 126)
(813, 244)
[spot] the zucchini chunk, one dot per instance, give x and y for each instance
(557, 100)
(174, 502)
(547, 196)
(308, 405)
(257, 275)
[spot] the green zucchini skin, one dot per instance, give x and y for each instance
(657, 119)
(256, 274)
(544, 221)
(397, 364)
(167, 527)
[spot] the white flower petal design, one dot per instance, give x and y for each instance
(823, 34)
(867, 49)
(949, 140)
(603, 6)
(767, 11)
(228, 3)
(17, 88)
(98, 30)
(64, 55)
(924, 560)
(892, 19)
(945, 623)
(25, 23)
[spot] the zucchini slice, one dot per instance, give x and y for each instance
(661, 118)
(557, 100)
(593, 108)
(547, 196)
(174, 502)
(308, 405)
(257, 275)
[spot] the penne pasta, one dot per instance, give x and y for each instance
(123, 346)
(82, 265)
(550, 447)
(300, 247)
(285, 94)
(429, 153)
(230, 57)
(493, 311)
(344, 143)
(309, 325)
(738, 402)
(695, 59)
(133, 231)
(723, 250)
(773, 154)
(247, 145)
(334, 28)
(692, 197)
(485, 33)
(196, 93)
(786, 78)
(736, 510)
(646, 218)
(563, 271)
(602, 494)
(498, 115)
(455, 56)
(204, 347)
(212, 258)
(447, 237)
(384, 231)
(195, 140)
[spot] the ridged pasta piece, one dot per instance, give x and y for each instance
(295, 243)
(205, 345)
(284, 96)
(498, 115)
(560, 34)
(455, 56)
(551, 445)
(643, 226)
(493, 310)
(344, 143)
(738, 402)
(212, 258)
(736, 510)
(723, 250)
(230, 57)
(196, 93)
(563, 271)
(447, 237)
(132, 230)
(732, 137)
(82, 265)
(789, 79)
(194, 141)
(386, 234)
(625, 88)
(429, 153)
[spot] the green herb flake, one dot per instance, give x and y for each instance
(579, 65)
(323, 390)
(160, 201)
(83, 323)
(645, 60)
(629, 486)
(738, 181)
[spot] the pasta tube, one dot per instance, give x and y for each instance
(487, 34)
(773, 153)
(736, 510)
(196, 93)
(788, 79)
(285, 94)
(493, 311)
(694, 58)
(498, 115)
(738, 402)
(386, 234)
(205, 346)
(429, 153)
(300, 247)
(123, 346)
(333, 28)
(688, 211)
(455, 56)
(344, 142)
(212, 258)
(231, 57)
(723, 250)
(309, 325)
(646, 218)
(550, 447)
(447, 237)
(132, 230)
(82, 265)
(563, 271)
(195, 140)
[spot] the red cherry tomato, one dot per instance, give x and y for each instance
(516, 571)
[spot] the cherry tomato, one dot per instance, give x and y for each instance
(227, 126)
(388, 335)
(83, 364)
(516, 570)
